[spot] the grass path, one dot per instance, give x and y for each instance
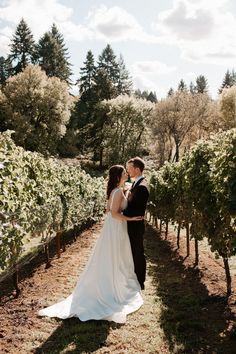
(178, 316)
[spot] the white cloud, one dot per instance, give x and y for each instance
(152, 67)
(107, 24)
(75, 32)
(191, 75)
(146, 84)
(187, 25)
(5, 34)
(150, 75)
(116, 24)
(39, 15)
(203, 30)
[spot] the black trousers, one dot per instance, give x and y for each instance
(136, 232)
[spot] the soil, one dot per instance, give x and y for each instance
(185, 309)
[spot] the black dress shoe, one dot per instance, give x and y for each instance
(142, 286)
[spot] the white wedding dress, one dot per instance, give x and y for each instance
(108, 288)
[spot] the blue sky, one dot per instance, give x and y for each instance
(161, 42)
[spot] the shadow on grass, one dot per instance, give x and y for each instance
(76, 337)
(192, 320)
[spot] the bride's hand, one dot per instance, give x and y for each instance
(137, 218)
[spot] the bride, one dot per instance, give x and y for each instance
(108, 288)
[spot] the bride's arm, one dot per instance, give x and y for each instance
(116, 209)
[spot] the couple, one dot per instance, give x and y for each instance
(109, 287)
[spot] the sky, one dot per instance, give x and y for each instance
(161, 42)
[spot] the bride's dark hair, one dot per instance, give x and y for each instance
(114, 177)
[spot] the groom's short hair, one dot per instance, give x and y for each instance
(137, 163)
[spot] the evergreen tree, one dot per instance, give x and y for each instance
(152, 97)
(108, 64)
(124, 81)
(53, 55)
(145, 95)
(170, 92)
(82, 116)
(5, 68)
(87, 74)
(228, 81)
(23, 51)
(138, 93)
(182, 86)
(192, 88)
(104, 87)
(201, 84)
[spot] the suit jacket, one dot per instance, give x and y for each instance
(137, 199)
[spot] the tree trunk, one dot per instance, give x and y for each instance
(177, 153)
(15, 279)
(166, 233)
(178, 234)
(101, 157)
(196, 252)
(58, 242)
(228, 277)
(156, 222)
(46, 250)
(187, 239)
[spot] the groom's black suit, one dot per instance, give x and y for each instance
(137, 201)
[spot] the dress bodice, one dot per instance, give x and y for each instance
(124, 202)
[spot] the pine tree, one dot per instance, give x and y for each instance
(152, 97)
(124, 81)
(53, 55)
(138, 93)
(82, 115)
(228, 81)
(170, 92)
(145, 95)
(192, 88)
(182, 86)
(87, 74)
(104, 88)
(23, 50)
(107, 62)
(5, 68)
(201, 84)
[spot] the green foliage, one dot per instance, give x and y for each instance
(182, 86)
(37, 108)
(23, 49)
(200, 190)
(5, 68)
(163, 191)
(178, 120)
(223, 179)
(201, 84)
(125, 84)
(53, 55)
(123, 123)
(104, 81)
(227, 107)
(149, 96)
(228, 81)
(40, 196)
(87, 74)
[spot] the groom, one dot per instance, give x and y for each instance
(137, 201)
